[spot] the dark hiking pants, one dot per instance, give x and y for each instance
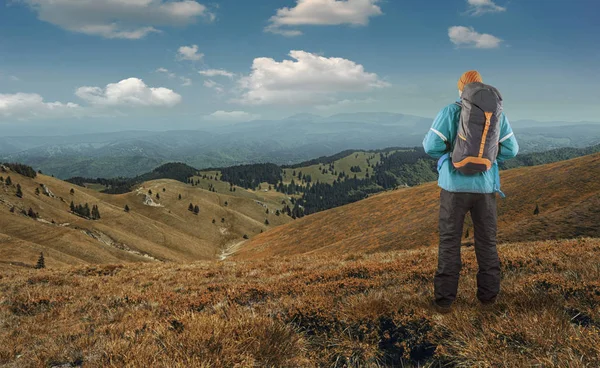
(453, 208)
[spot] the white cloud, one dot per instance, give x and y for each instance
(466, 36)
(167, 72)
(214, 85)
(126, 19)
(129, 92)
(189, 53)
(216, 73)
(307, 79)
(323, 12)
(231, 116)
(185, 82)
(479, 7)
(23, 106)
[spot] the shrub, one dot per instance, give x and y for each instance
(41, 263)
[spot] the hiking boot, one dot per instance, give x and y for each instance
(488, 303)
(443, 309)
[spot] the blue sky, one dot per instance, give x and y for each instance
(136, 64)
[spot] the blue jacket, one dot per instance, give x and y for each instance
(444, 129)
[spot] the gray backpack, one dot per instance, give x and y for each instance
(476, 143)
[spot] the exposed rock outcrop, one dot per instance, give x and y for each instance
(148, 201)
(47, 191)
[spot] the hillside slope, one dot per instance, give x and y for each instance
(165, 231)
(307, 311)
(566, 192)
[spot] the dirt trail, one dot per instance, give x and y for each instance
(230, 249)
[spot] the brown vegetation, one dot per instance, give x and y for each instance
(307, 311)
(143, 234)
(567, 192)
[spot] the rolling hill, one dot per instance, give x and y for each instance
(153, 229)
(567, 194)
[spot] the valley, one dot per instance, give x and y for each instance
(161, 223)
(157, 227)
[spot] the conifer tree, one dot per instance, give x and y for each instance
(180, 197)
(266, 221)
(41, 263)
(19, 191)
(32, 214)
(157, 196)
(149, 191)
(191, 207)
(8, 181)
(537, 210)
(72, 206)
(196, 210)
(95, 213)
(72, 191)
(37, 191)
(126, 208)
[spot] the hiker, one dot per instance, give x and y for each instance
(468, 138)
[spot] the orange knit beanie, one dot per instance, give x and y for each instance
(469, 77)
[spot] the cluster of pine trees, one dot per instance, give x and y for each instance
(8, 182)
(85, 211)
(405, 167)
(194, 209)
(22, 169)
(251, 176)
(302, 177)
(113, 185)
(175, 170)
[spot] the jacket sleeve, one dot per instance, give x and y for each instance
(508, 146)
(436, 141)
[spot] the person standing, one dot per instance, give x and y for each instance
(469, 137)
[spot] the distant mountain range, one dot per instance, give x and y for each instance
(287, 141)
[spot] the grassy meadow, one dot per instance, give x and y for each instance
(307, 311)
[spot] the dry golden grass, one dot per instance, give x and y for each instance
(567, 192)
(168, 233)
(306, 311)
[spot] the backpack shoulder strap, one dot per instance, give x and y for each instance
(458, 103)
